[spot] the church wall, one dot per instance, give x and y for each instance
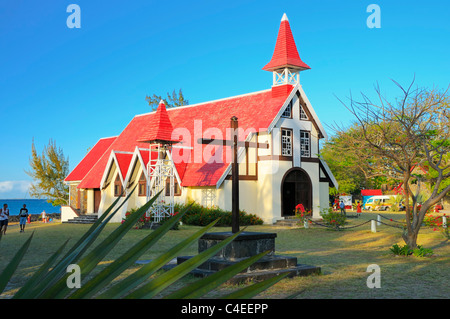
(90, 201)
(324, 196)
(313, 171)
(108, 198)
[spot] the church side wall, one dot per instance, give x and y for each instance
(108, 198)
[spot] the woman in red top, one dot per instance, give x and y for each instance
(358, 208)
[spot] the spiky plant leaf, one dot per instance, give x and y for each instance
(161, 282)
(143, 273)
(48, 283)
(205, 285)
(12, 266)
(27, 289)
(127, 259)
(88, 263)
(253, 290)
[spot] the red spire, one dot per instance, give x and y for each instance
(160, 128)
(285, 54)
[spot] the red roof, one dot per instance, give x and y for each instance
(254, 111)
(159, 128)
(80, 171)
(371, 192)
(123, 161)
(285, 53)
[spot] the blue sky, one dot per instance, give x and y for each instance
(78, 85)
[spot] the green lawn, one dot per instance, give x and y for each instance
(343, 256)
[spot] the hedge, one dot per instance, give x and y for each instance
(202, 216)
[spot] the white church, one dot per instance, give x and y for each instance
(161, 150)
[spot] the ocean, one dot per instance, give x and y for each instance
(34, 206)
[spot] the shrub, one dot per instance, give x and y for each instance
(201, 216)
(332, 218)
(422, 252)
(406, 251)
(146, 220)
(434, 221)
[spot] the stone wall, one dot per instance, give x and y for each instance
(34, 217)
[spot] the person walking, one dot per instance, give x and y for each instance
(23, 218)
(4, 216)
(358, 209)
(342, 206)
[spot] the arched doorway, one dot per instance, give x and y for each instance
(296, 188)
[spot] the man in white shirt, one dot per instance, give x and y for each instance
(4, 216)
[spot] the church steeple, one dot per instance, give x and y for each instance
(159, 130)
(285, 63)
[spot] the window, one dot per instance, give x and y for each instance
(305, 144)
(303, 115)
(286, 142)
(142, 188)
(288, 111)
(176, 187)
(208, 197)
(118, 189)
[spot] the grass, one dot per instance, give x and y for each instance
(343, 256)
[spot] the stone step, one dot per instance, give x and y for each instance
(290, 222)
(265, 263)
(245, 245)
(83, 219)
(257, 274)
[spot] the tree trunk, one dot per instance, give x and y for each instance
(411, 239)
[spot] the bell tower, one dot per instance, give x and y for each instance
(161, 172)
(285, 64)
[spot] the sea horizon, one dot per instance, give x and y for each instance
(34, 205)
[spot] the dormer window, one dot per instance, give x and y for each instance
(303, 115)
(142, 188)
(288, 111)
(118, 188)
(176, 187)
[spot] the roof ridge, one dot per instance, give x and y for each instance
(203, 103)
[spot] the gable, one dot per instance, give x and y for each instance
(86, 164)
(298, 92)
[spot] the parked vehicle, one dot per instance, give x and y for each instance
(378, 203)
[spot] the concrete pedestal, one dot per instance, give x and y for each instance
(246, 245)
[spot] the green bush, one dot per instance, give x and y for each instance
(406, 251)
(201, 216)
(332, 218)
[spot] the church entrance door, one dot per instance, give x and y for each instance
(296, 188)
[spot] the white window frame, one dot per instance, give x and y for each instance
(305, 144)
(288, 111)
(286, 142)
(303, 115)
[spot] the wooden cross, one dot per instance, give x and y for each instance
(234, 143)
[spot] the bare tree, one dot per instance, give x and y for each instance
(410, 132)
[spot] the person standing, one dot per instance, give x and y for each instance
(358, 209)
(4, 216)
(23, 218)
(342, 206)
